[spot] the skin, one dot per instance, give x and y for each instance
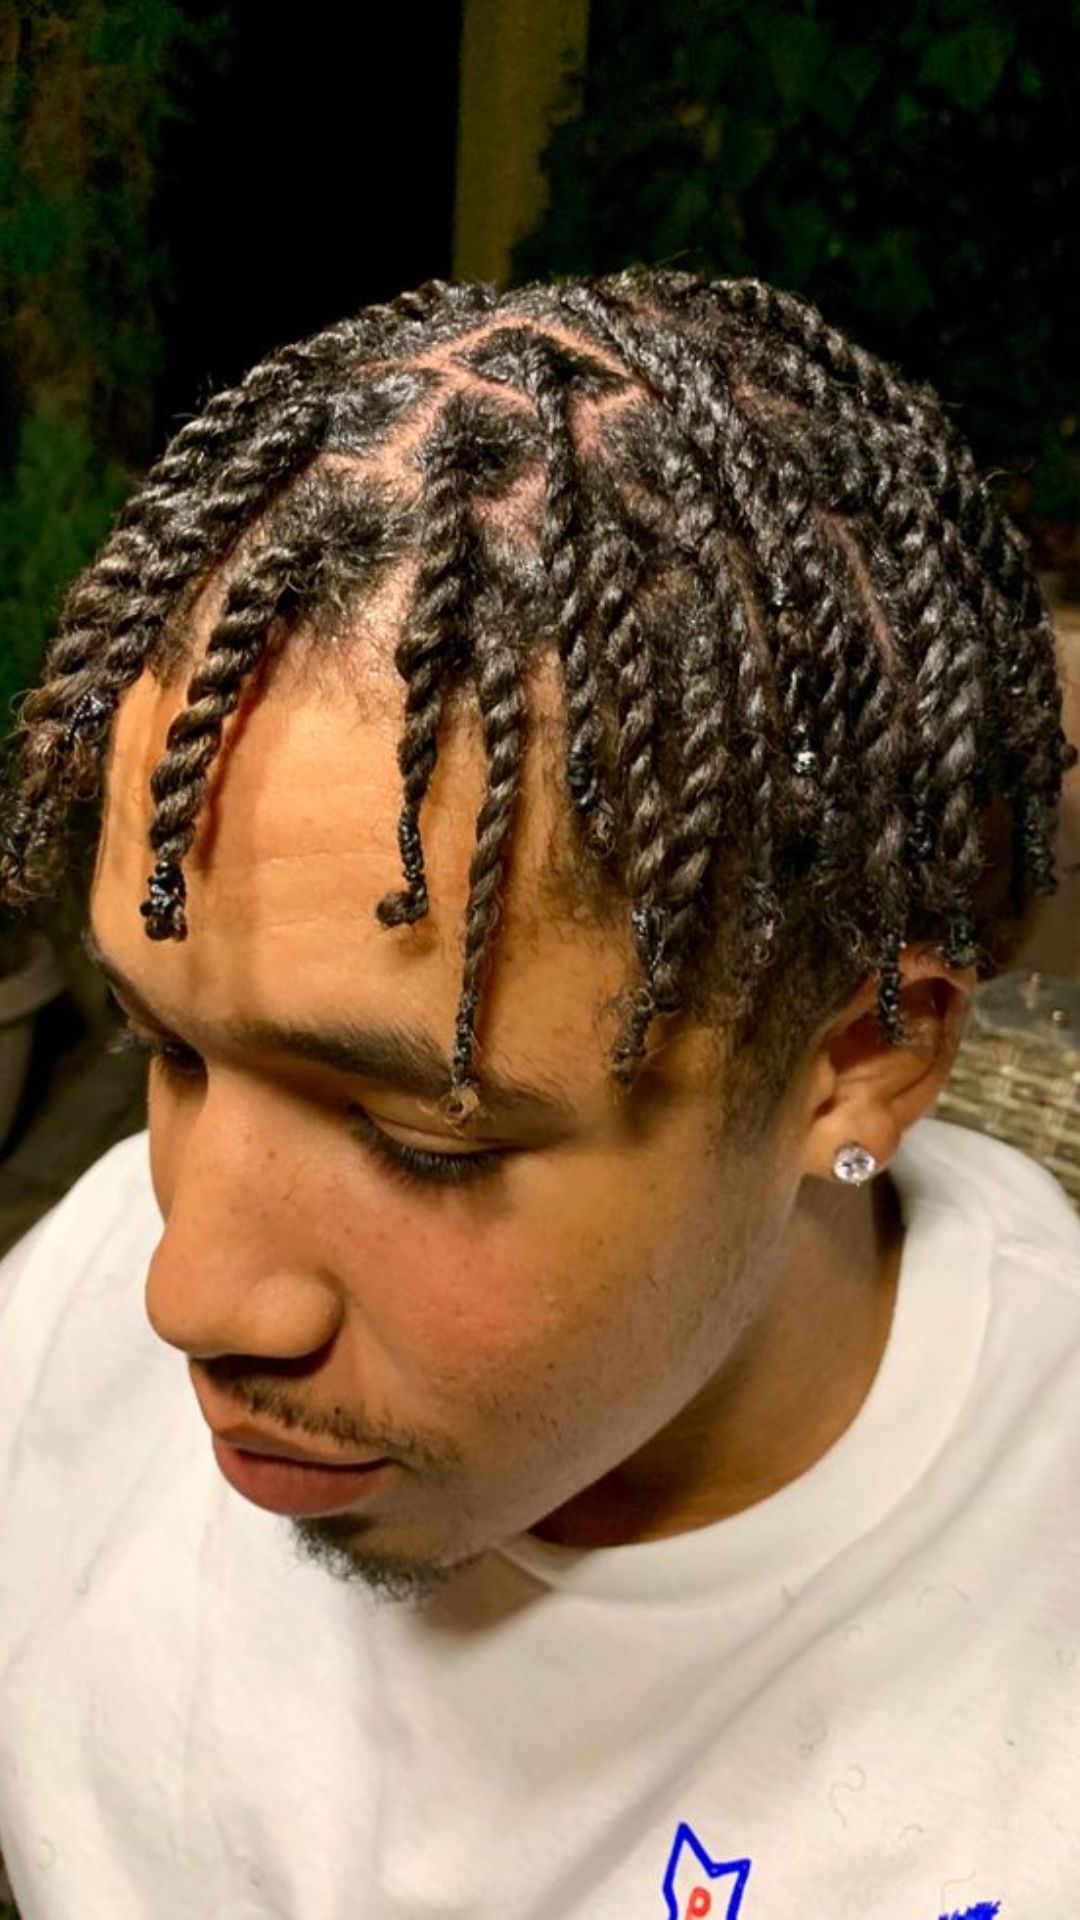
(634, 1328)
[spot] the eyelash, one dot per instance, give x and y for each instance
(416, 1166)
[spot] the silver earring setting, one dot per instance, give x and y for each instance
(855, 1165)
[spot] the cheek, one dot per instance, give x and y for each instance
(459, 1311)
(540, 1298)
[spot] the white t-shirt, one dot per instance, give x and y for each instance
(859, 1698)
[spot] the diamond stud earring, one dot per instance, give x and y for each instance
(855, 1165)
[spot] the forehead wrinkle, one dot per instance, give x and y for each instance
(405, 1058)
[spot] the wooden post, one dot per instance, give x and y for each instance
(522, 63)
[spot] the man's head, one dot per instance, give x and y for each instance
(722, 677)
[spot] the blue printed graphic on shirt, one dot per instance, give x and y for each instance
(690, 1868)
(696, 1885)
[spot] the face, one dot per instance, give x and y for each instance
(542, 1344)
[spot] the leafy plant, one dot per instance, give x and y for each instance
(57, 508)
(86, 89)
(911, 167)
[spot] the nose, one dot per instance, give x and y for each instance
(237, 1270)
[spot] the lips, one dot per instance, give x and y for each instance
(300, 1488)
(251, 1440)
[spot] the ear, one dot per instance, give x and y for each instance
(859, 1088)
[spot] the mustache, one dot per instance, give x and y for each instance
(241, 1398)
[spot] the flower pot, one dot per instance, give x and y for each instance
(35, 981)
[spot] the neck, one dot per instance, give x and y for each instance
(792, 1387)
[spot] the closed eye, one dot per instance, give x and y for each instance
(177, 1059)
(420, 1164)
(415, 1165)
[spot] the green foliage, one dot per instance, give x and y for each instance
(83, 282)
(55, 513)
(911, 167)
(969, 65)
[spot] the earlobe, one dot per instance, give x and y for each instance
(863, 1094)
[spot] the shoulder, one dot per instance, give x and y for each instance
(998, 1190)
(73, 1335)
(107, 1218)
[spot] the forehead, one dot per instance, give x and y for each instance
(296, 844)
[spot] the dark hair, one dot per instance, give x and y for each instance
(807, 671)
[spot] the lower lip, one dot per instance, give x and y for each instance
(288, 1486)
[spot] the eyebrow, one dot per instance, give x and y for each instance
(404, 1058)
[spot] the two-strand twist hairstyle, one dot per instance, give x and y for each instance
(804, 661)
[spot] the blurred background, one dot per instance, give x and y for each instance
(185, 186)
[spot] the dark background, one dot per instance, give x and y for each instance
(183, 187)
(185, 184)
(913, 167)
(315, 176)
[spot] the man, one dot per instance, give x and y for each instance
(557, 1242)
